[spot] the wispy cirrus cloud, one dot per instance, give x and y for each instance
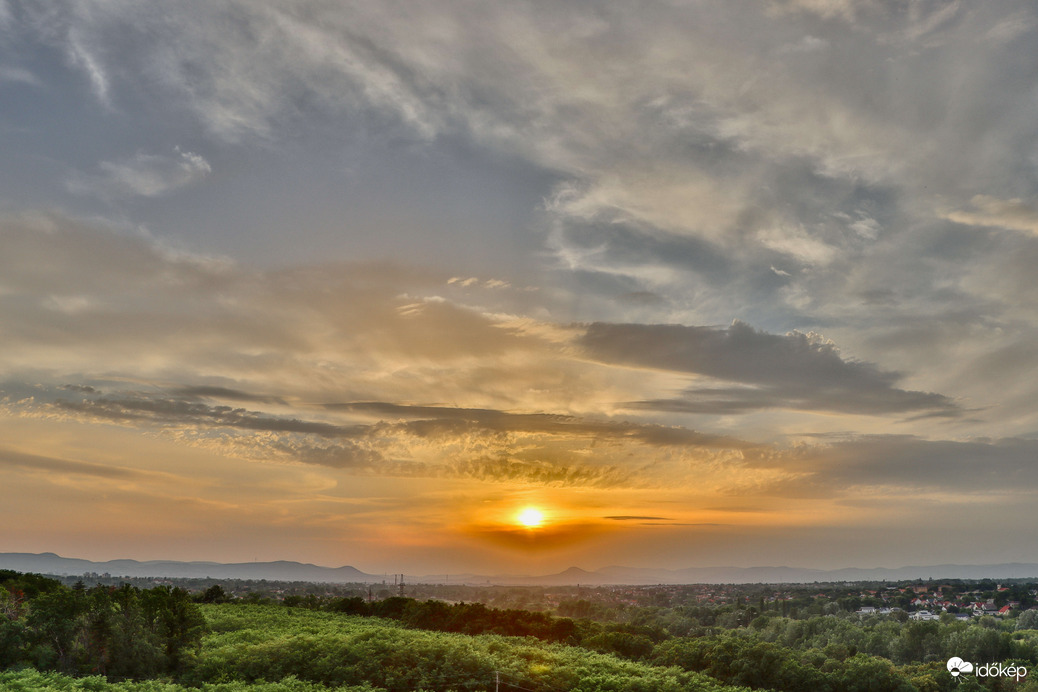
(179, 412)
(202, 384)
(437, 420)
(985, 210)
(636, 518)
(35, 462)
(19, 75)
(405, 440)
(142, 175)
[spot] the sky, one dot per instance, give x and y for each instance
(706, 282)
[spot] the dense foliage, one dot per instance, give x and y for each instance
(465, 618)
(35, 681)
(119, 632)
(127, 632)
(251, 642)
(163, 639)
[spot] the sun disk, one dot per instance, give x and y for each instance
(531, 517)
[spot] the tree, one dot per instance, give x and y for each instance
(1028, 620)
(12, 632)
(135, 651)
(55, 618)
(175, 620)
(215, 594)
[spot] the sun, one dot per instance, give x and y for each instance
(530, 517)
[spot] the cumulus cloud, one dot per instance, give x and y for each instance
(142, 175)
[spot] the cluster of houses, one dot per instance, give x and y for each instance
(873, 610)
(931, 605)
(966, 610)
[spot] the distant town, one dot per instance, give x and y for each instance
(914, 600)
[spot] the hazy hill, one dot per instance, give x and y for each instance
(49, 563)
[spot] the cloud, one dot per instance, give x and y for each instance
(804, 165)
(865, 226)
(437, 425)
(365, 458)
(214, 392)
(165, 411)
(548, 473)
(808, 44)
(641, 298)
(35, 462)
(18, 75)
(797, 242)
(468, 282)
(404, 441)
(436, 420)
(320, 366)
(239, 68)
(357, 323)
(83, 388)
(908, 465)
(84, 57)
(347, 455)
(732, 401)
(843, 9)
(749, 154)
(142, 175)
(1014, 214)
(739, 352)
(794, 370)
(635, 518)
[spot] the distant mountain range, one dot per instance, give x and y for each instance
(49, 563)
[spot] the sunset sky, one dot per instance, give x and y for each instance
(355, 283)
